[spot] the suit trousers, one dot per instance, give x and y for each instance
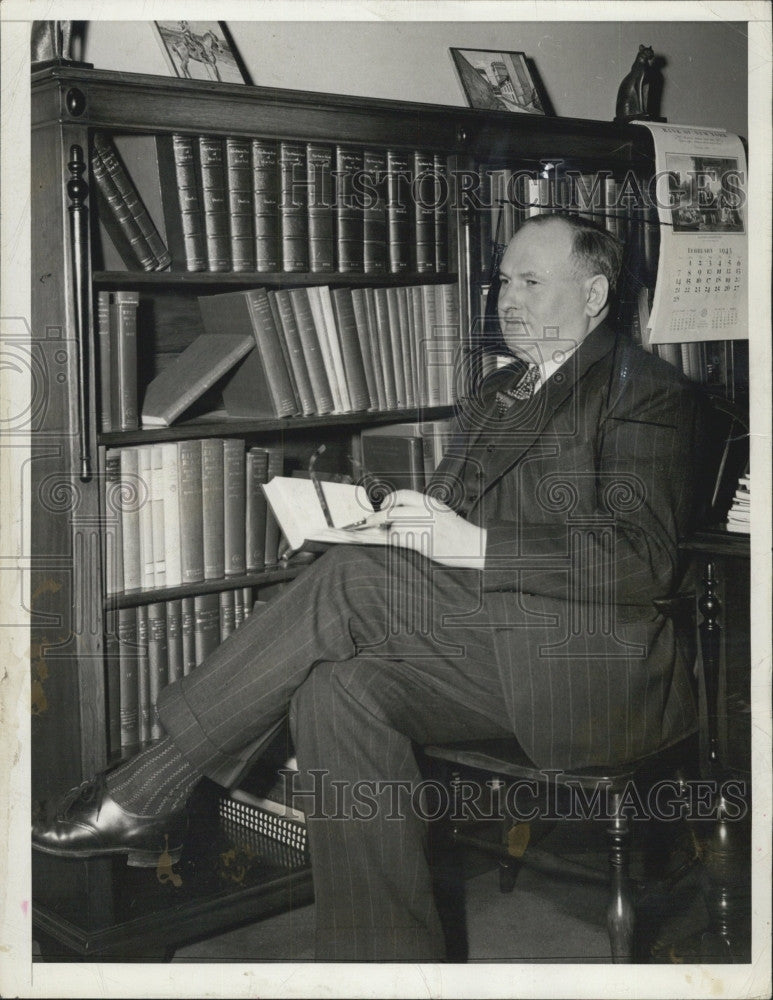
(369, 650)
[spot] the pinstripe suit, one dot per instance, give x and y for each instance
(583, 492)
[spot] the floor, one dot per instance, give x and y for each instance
(544, 919)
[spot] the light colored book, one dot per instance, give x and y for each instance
(297, 508)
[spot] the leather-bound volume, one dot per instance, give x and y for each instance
(215, 202)
(123, 360)
(377, 346)
(256, 474)
(290, 334)
(174, 640)
(293, 206)
(128, 681)
(241, 212)
(212, 508)
(191, 528)
(143, 676)
(423, 202)
(265, 195)
(395, 339)
(398, 211)
(356, 380)
(103, 361)
(312, 353)
(349, 213)
(158, 661)
(374, 220)
(275, 468)
(360, 313)
(319, 170)
(395, 460)
(234, 507)
(261, 385)
(442, 195)
(187, 622)
(206, 625)
(177, 157)
(227, 614)
(383, 330)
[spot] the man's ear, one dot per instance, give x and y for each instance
(596, 295)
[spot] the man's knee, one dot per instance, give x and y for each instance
(327, 699)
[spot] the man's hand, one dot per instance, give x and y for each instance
(416, 521)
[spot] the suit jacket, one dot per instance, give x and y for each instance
(584, 492)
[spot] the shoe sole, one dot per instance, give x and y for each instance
(134, 859)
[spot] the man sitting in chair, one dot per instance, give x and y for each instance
(514, 597)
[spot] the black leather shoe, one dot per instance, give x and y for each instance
(90, 823)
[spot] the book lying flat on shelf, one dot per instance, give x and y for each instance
(200, 365)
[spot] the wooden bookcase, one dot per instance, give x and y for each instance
(68, 105)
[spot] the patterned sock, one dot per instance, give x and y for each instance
(156, 781)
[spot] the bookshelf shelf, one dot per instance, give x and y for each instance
(137, 598)
(211, 280)
(220, 427)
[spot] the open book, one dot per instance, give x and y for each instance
(296, 506)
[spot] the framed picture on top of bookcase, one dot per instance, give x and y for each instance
(200, 50)
(498, 81)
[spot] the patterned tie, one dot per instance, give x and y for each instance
(522, 390)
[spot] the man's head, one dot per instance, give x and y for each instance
(556, 278)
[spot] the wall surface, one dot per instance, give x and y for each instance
(580, 63)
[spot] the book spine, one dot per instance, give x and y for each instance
(128, 680)
(406, 343)
(212, 509)
(113, 523)
(187, 630)
(360, 313)
(158, 661)
(311, 296)
(374, 228)
(143, 676)
(349, 213)
(123, 358)
(103, 359)
(227, 614)
(334, 343)
(319, 171)
(255, 514)
(396, 344)
(191, 526)
(267, 339)
(181, 198)
(147, 557)
(312, 355)
(432, 362)
(293, 201)
(157, 513)
(132, 498)
(286, 324)
(284, 347)
(265, 190)
(234, 514)
(448, 338)
(350, 349)
(442, 190)
(206, 626)
(241, 211)
(174, 638)
(130, 242)
(423, 198)
(275, 467)
(486, 229)
(170, 478)
(248, 601)
(383, 333)
(128, 192)
(417, 316)
(238, 607)
(398, 212)
(113, 681)
(214, 202)
(376, 348)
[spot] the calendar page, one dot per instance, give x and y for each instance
(700, 189)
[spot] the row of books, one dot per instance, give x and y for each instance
(156, 644)
(255, 204)
(186, 511)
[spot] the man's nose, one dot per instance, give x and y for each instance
(508, 298)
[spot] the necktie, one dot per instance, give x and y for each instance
(522, 390)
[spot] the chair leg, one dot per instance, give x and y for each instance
(620, 911)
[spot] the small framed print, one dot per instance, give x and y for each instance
(200, 50)
(498, 81)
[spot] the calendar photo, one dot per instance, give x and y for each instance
(705, 192)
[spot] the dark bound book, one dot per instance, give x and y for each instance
(319, 170)
(123, 359)
(113, 680)
(143, 675)
(212, 507)
(256, 473)
(238, 607)
(384, 334)
(190, 505)
(234, 506)
(260, 386)
(185, 380)
(293, 201)
(187, 622)
(241, 212)
(275, 468)
(174, 639)
(214, 202)
(442, 196)
(374, 220)
(206, 625)
(424, 198)
(377, 346)
(158, 661)
(399, 211)
(128, 683)
(265, 194)
(103, 361)
(349, 212)
(299, 365)
(227, 614)
(350, 349)
(396, 460)
(181, 199)
(360, 312)
(396, 343)
(312, 351)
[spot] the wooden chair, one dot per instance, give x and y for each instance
(503, 762)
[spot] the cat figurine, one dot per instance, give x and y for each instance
(633, 95)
